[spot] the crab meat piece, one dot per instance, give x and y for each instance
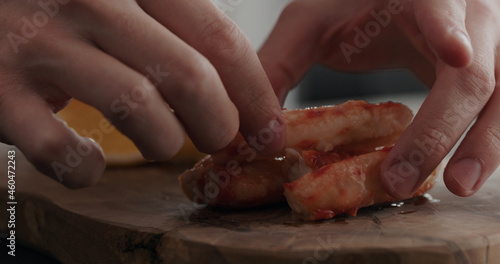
(331, 163)
(342, 187)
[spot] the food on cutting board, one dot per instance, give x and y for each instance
(330, 164)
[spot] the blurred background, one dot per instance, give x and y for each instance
(321, 85)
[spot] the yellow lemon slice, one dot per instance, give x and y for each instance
(118, 149)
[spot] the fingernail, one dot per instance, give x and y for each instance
(97, 145)
(466, 173)
(402, 178)
(278, 126)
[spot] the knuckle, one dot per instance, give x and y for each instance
(176, 142)
(123, 23)
(492, 136)
(198, 80)
(256, 98)
(480, 82)
(217, 141)
(6, 93)
(222, 35)
(483, 9)
(161, 147)
(441, 139)
(136, 104)
(106, 13)
(462, 4)
(29, 38)
(47, 148)
(170, 145)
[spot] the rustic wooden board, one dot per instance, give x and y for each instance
(139, 215)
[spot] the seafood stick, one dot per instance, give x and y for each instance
(330, 165)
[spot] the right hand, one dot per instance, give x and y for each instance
(452, 45)
(134, 61)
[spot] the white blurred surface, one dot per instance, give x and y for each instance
(256, 17)
(412, 100)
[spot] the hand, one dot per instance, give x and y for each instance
(133, 61)
(451, 45)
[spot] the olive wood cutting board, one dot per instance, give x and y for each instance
(139, 215)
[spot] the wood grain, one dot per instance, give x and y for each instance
(139, 215)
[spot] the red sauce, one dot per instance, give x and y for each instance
(319, 172)
(345, 130)
(317, 159)
(200, 183)
(339, 110)
(290, 185)
(390, 104)
(386, 149)
(357, 174)
(352, 212)
(307, 144)
(315, 113)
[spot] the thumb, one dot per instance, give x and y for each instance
(289, 51)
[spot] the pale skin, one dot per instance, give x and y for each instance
(96, 51)
(451, 45)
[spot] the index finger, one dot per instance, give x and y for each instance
(206, 28)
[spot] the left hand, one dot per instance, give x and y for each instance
(449, 44)
(156, 69)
